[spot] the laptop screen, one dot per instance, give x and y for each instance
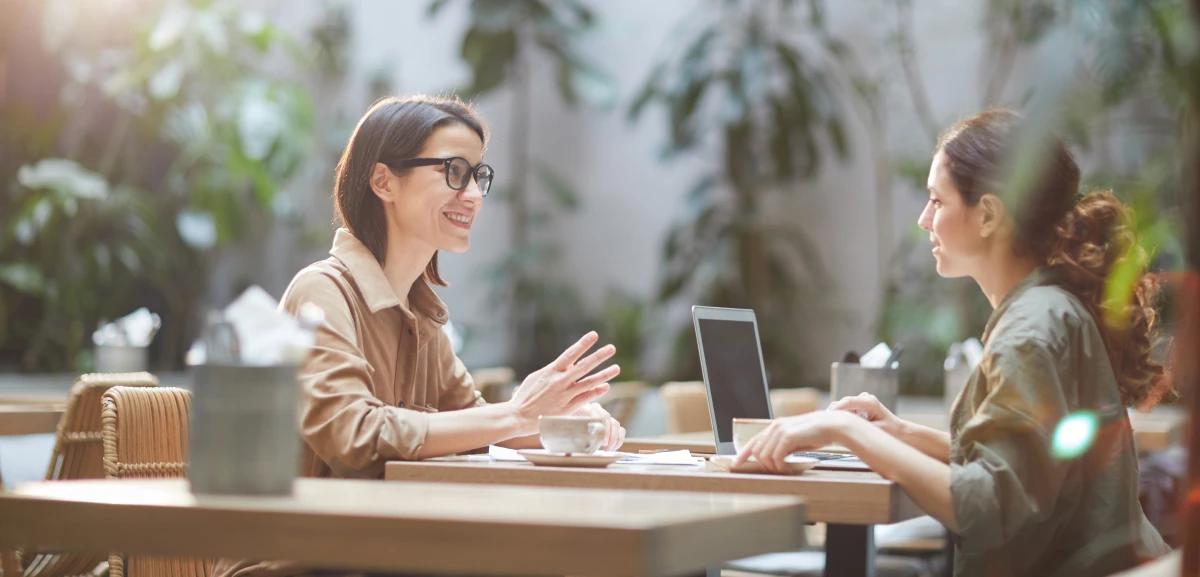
(734, 370)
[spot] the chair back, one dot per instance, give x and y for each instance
(791, 402)
(78, 454)
(621, 400)
(687, 407)
(495, 384)
(145, 434)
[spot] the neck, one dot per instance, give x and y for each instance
(405, 262)
(1001, 273)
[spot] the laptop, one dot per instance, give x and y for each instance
(736, 379)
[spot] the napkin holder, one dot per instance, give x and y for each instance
(244, 434)
(849, 379)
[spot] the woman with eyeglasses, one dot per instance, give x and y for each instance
(382, 382)
(1039, 474)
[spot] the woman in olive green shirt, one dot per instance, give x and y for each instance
(1016, 503)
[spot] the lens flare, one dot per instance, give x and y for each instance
(1074, 435)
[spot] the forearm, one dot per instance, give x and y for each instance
(527, 442)
(925, 478)
(457, 431)
(927, 440)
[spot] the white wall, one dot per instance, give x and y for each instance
(630, 197)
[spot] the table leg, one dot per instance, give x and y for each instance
(850, 550)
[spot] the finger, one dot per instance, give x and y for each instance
(572, 354)
(766, 452)
(747, 450)
(587, 396)
(590, 362)
(620, 438)
(609, 373)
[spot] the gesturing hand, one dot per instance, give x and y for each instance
(562, 387)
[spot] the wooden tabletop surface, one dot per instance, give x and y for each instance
(849, 497)
(409, 527)
(29, 419)
(1157, 430)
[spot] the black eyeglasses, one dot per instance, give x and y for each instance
(458, 171)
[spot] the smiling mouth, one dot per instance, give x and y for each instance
(459, 219)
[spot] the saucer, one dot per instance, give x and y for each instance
(544, 457)
(796, 465)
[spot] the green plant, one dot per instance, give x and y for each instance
(1123, 53)
(741, 78)
(173, 145)
(501, 45)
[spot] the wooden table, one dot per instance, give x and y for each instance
(29, 419)
(850, 502)
(1158, 430)
(409, 527)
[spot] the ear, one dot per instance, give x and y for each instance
(991, 213)
(383, 182)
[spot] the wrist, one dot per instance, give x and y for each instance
(521, 422)
(837, 425)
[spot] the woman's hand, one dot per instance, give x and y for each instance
(868, 407)
(564, 386)
(614, 432)
(786, 436)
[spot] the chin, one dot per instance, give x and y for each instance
(457, 246)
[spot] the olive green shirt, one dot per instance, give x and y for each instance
(1022, 509)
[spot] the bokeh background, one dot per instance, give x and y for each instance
(651, 155)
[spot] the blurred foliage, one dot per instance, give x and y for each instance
(503, 43)
(166, 143)
(1125, 78)
(751, 79)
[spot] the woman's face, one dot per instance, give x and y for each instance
(425, 208)
(954, 227)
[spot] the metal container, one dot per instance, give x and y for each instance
(244, 435)
(849, 379)
(121, 359)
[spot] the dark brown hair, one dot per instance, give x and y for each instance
(1078, 238)
(393, 129)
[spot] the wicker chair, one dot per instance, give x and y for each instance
(78, 454)
(687, 407)
(146, 436)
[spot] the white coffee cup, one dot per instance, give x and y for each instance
(745, 429)
(582, 435)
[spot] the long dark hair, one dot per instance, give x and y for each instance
(1079, 238)
(393, 129)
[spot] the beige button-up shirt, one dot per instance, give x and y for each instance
(376, 372)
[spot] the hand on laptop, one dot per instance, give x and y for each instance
(868, 407)
(785, 436)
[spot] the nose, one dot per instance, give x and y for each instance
(925, 221)
(471, 193)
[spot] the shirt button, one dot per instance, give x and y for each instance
(441, 314)
(422, 334)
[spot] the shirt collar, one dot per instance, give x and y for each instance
(374, 286)
(1038, 277)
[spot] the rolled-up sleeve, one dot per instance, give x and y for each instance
(1005, 476)
(347, 426)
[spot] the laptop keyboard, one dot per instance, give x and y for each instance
(822, 456)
